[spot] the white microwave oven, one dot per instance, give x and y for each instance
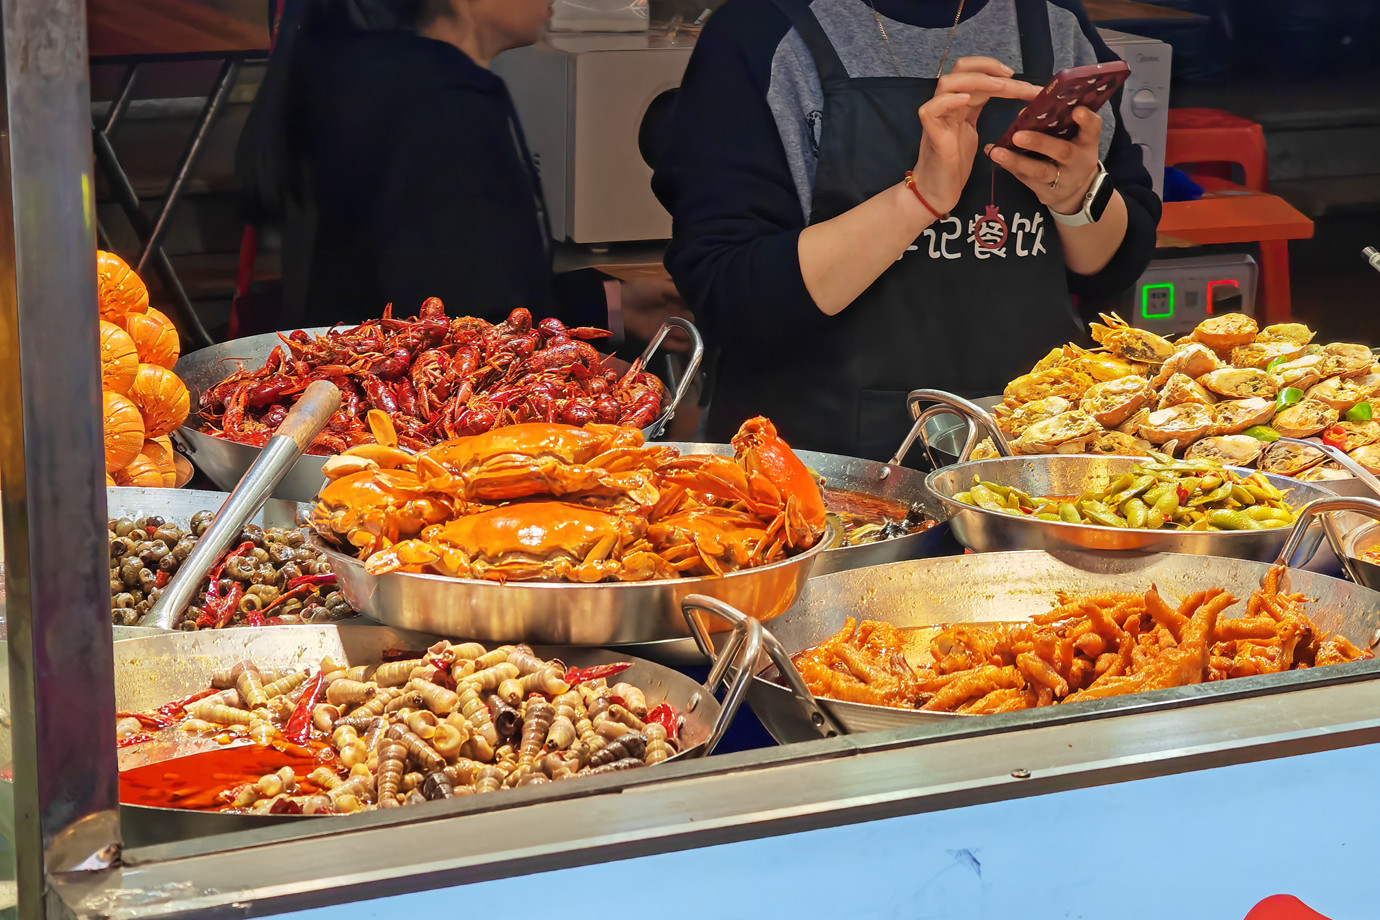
(592, 104)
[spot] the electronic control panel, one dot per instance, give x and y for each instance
(1174, 295)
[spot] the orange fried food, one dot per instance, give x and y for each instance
(1084, 649)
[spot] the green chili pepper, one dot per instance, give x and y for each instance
(984, 497)
(1104, 516)
(1262, 433)
(1216, 495)
(1287, 397)
(1168, 504)
(1358, 413)
(1231, 520)
(1275, 362)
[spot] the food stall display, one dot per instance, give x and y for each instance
(546, 502)
(456, 719)
(143, 400)
(436, 378)
(270, 577)
(1088, 647)
(1166, 493)
(915, 641)
(1223, 393)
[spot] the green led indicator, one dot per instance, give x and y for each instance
(1158, 298)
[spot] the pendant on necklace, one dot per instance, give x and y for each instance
(992, 219)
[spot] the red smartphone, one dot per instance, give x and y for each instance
(1052, 111)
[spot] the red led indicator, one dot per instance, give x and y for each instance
(1225, 293)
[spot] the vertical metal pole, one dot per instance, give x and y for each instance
(52, 455)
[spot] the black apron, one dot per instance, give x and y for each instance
(948, 314)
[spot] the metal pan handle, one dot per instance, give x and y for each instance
(979, 419)
(1368, 506)
(1329, 523)
(687, 379)
(746, 659)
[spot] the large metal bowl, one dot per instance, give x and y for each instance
(152, 670)
(1012, 587)
(562, 613)
(225, 462)
(888, 481)
(986, 531)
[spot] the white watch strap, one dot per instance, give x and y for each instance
(1083, 216)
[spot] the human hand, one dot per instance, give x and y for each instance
(1060, 185)
(647, 302)
(949, 123)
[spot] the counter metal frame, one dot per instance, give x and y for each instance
(60, 651)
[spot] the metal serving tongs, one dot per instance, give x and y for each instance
(303, 423)
(687, 378)
(741, 651)
(1329, 523)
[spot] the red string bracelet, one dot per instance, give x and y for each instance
(910, 181)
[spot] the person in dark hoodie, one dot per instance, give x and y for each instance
(393, 159)
(844, 229)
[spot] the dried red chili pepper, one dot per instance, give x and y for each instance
(134, 738)
(176, 708)
(161, 579)
(307, 580)
(228, 605)
(665, 716)
(298, 728)
(212, 610)
(581, 675)
(147, 719)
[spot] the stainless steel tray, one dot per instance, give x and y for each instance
(984, 531)
(225, 462)
(889, 481)
(562, 613)
(151, 670)
(1008, 587)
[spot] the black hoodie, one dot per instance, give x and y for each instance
(417, 183)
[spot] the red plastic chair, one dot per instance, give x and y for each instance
(1215, 139)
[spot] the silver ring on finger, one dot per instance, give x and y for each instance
(1058, 171)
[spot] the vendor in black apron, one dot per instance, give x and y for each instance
(841, 251)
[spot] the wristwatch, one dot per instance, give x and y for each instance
(1094, 202)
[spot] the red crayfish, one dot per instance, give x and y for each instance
(436, 378)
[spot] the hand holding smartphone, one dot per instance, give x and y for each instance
(1051, 112)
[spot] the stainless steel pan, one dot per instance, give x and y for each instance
(562, 613)
(890, 481)
(1008, 587)
(152, 670)
(984, 530)
(224, 462)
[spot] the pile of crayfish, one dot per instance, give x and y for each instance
(436, 378)
(550, 502)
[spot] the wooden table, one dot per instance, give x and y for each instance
(1231, 217)
(1230, 214)
(1127, 13)
(168, 29)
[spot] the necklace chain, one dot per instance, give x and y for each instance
(886, 39)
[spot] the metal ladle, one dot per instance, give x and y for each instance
(320, 400)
